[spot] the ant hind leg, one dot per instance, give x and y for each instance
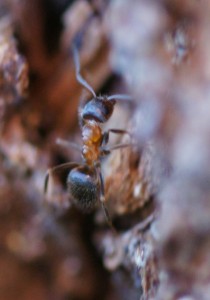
(102, 201)
(55, 169)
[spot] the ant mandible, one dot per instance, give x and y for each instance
(84, 181)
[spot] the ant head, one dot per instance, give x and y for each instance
(83, 187)
(99, 109)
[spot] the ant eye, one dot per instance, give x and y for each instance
(83, 187)
(98, 109)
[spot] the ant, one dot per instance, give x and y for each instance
(84, 181)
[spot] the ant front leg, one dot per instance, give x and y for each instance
(67, 144)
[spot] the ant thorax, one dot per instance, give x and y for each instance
(91, 137)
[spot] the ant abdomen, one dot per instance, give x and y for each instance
(82, 183)
(99, 109)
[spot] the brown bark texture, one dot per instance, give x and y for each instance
(157, 190)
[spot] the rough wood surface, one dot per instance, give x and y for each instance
(157, 190)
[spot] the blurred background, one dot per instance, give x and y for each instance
(157, 192)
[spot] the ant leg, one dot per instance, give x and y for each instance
(68, 144)
(79, 77)
(120, 97)
(102, 201)
(105, 151)
(119, 131)
(56, 169)
(116, 131)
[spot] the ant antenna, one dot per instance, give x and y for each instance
(79, 77)
(85, 84)
(120, 97)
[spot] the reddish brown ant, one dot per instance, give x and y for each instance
(85, 182)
